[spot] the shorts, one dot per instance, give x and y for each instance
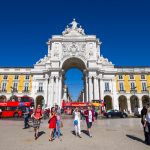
(36, 123)
(89, 125)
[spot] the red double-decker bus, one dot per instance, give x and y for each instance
(68, 107)
(13, 108)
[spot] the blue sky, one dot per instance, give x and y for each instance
(123, 26)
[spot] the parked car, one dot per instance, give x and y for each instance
(115, 113)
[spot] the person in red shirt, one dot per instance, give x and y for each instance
(52, 123)
(37, 115)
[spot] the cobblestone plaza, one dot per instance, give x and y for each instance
(114, 134)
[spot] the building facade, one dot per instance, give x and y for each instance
(121, 88)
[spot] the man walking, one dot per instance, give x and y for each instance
(26, 117)
(89, 114)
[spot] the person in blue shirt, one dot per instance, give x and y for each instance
(26, 118)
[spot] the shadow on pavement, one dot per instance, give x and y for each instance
(41, 133)
(85, 132)
(135, 138)
(73, 132)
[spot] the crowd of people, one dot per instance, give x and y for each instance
(55, 121)
(89, 114)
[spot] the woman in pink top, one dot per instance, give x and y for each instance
(37, 115)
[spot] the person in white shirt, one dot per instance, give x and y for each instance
(77, 122)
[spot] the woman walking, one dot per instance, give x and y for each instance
(37, 116)
(52, 123)
(57, 132)
(77, 122)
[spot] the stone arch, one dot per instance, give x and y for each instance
(13, 98)
(145, 100)
(134, 100)
(3, 98)
(122, 103)
(40, 100)
(108, 102)
(69, 59)
(73, 62)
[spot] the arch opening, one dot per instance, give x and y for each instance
(108, 102)
(73, 80)
(134, 102)
(122, 103)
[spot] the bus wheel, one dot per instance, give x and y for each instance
(16, 115)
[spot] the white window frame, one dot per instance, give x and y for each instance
(107, 86)
(144, 89)
(2, 87)
(120, 86)
(131, 86)
(26, 88)
(120, 76)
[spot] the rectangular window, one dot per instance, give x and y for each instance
(40, 87)
(121, 86)
(4, 86)
(107, 86)
(16, 77)
(120, 76)
(5, 77)
(144, 86)
(131, 76)
(26, 87)
(27, 77)
(142, 76)
(15, 86)
(132, 85)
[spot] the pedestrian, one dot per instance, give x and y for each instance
(82, 113)
(96, 113)
(57, 132)
(143, 116)
(37, 116)
(77, 126)
(89, 114)
(147, 126)
(26, 118)
(52, 123)
(0, 112)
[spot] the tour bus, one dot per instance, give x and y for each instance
(13, 108)
(68, 107)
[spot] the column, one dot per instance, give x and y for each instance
(140, 103)
(87, 88)
(60, 92)
(83, 100)
(96, 89)
(129, 105)
(51, 93)
(115, 98)
(102, 89)
(46, 89)
(99, 87)
(56, 91)
(90, 89)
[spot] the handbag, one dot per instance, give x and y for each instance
(75, 122)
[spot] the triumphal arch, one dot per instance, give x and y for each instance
(74, 48)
